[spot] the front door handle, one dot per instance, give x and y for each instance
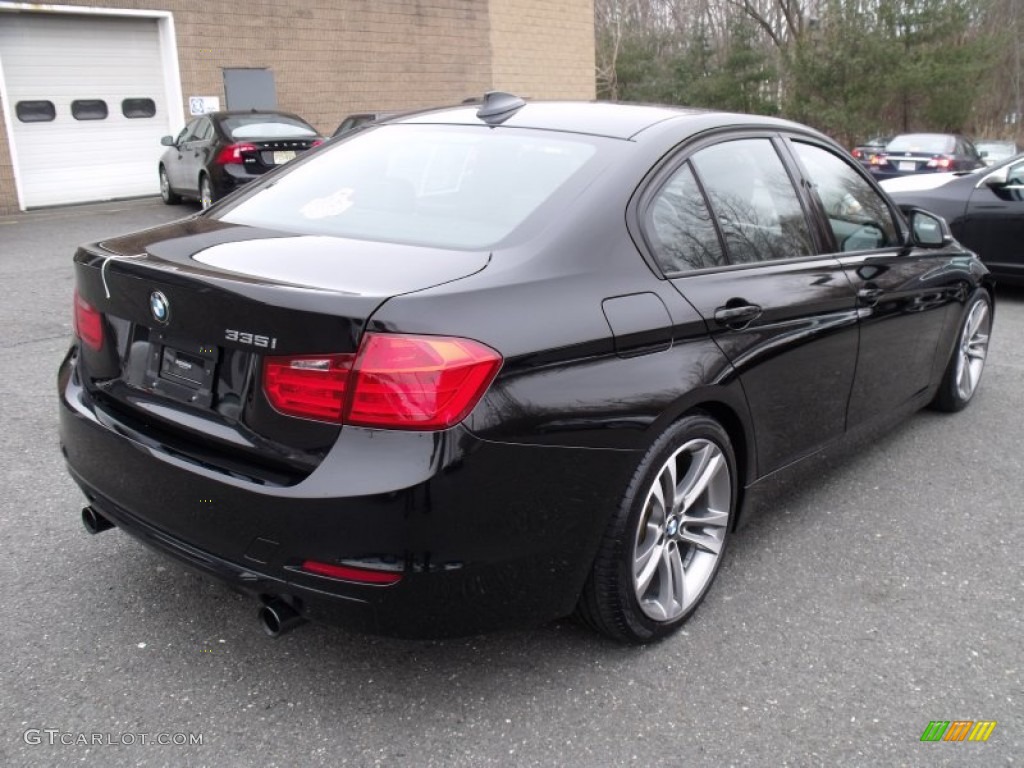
(737, 316)
(869, 296)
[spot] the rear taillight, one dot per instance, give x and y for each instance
(87, 323)
(394, 381)
(312, 387)
(316, 143)
(233, 153)
(879, 160)
(857, 154)
(940, 162)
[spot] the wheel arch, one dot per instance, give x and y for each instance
(726, 405)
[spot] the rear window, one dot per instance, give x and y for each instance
(441, 186)
(266, 127)
(922, 142)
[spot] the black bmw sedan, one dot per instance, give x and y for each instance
(985, 211)
(220, 151)
(493, 365)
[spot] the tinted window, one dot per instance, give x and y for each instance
(753, 200)
(257, 126)
(679, 226)
(857, 214)
(203, 130)
(35, 111)
(89, 109)
(444, 186)
(136, 108)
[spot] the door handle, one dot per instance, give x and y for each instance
(737, 317)
(870, 295)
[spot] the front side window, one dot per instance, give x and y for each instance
(679, 226)
(442, 186)
(754, 201)
(203, 130)
(858, 216)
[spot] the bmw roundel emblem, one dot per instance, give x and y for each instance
(160, 307)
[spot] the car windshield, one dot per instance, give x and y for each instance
(266, 127)
(922, 142)
(463, 187)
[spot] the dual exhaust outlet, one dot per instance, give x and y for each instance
(276, 616)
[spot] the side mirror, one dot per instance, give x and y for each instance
(167, 141)
(928, 230)
(983, 152)
(997, 179)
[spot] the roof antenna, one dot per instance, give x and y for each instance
(498, 107)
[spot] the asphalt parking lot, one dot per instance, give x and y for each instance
(881, 592)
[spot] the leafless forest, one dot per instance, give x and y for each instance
(852, 68)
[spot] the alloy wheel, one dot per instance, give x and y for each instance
(681, 531)
(972, 350)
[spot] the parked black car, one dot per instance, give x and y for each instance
(218, 152)
(874, 146)
(925, 153)
(985, 211)
(485, 366)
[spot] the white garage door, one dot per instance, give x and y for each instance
(86, 105)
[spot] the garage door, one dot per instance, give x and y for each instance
(86, 105)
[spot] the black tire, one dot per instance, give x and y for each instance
(623, 598)
(206, 194)
(967, 361)
(166, 193)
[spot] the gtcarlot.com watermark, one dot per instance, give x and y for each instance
(55, 736)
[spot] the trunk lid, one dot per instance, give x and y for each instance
(190, 310)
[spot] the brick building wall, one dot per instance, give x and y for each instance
(333, 57)
(543, 49)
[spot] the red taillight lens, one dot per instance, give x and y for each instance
(395, 381)
(879, 160)
(87, 323)
(316, 143)
(233, 153)
(940, 162)
(857, 153)
(419, 382)
(312, 387)
(365, 575)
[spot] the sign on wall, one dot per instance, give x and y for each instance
(200, 105)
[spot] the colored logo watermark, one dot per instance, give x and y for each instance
(958, 730)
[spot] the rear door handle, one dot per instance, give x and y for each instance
(737, 317)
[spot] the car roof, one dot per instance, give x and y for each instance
(597, 118)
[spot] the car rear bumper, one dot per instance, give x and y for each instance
(485, 535)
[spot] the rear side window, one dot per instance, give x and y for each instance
(35, 111)
(679, 226)
(442, 186)
(857, 214)
(753, 200)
